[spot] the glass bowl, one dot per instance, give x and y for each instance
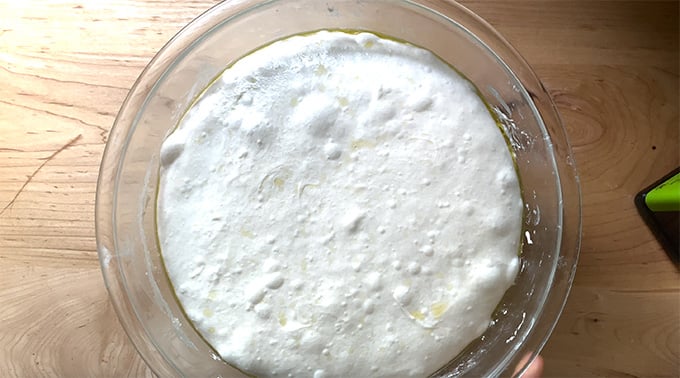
(126, 193)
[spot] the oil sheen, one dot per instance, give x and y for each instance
(339, 205)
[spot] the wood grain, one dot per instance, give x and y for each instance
(66, 66)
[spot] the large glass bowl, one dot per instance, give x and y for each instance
(128, 179)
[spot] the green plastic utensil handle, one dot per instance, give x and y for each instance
(665, 197)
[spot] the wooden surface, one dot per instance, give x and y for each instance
(66, 66)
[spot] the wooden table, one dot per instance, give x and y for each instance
(65, 67)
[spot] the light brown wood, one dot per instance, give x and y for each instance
(65, 68)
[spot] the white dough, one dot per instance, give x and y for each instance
(339, 205)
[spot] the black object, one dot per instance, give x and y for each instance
(665, 225)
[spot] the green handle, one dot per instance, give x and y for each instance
(665, 197)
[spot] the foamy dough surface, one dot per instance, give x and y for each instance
(339, 205)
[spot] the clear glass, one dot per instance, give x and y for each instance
(126, 192)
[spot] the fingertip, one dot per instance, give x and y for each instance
(535, 369)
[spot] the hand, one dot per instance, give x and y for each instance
(535, 369)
